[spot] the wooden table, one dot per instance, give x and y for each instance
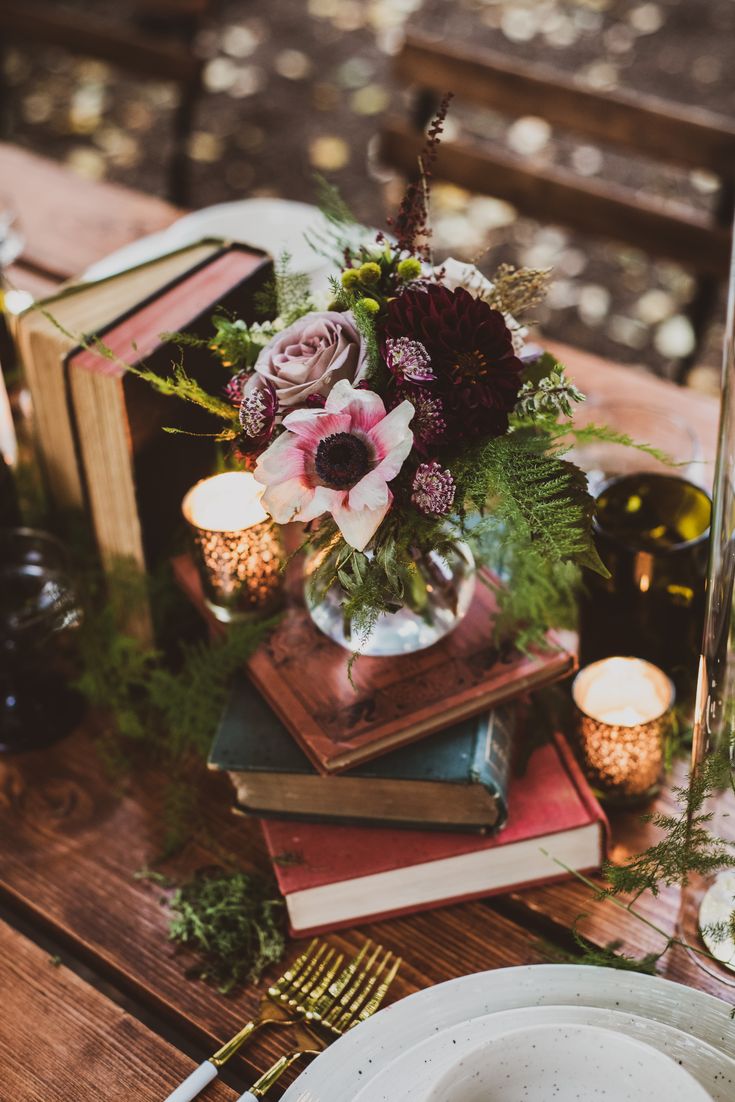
(95, 999)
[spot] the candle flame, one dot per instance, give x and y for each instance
(623, 692)
(226, 502)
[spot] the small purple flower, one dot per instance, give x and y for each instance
(433, 490)
(258, 410)
(429, 423)
(408, 358)
(235, 388)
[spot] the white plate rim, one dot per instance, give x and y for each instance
(712, 1069)
(339, 1072)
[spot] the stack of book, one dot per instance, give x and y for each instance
(403, 791)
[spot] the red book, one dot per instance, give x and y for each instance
(334, 876)
(304, 677)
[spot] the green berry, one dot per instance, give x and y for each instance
(370, 305)
(350, 279)
(370, 273)
(409, 269)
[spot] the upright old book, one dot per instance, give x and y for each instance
(304, 677)
(100, 427)
(48, 332)
(456, 779)
(335, 876)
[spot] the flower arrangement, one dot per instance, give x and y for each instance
(408, 411)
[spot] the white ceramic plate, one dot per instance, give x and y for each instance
(412, 1076)
(274, 225)
(348, 1065)
(565, 1063)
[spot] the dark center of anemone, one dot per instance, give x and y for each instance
(341, 460)
(470, 365)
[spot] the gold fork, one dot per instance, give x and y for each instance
(338, 1008)
(283, 1005)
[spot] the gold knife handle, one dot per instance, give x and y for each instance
(222, 1055)
(274, 1073)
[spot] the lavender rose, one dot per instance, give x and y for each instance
(310, 356)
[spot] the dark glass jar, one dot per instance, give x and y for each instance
(652, 533)
(37, 606)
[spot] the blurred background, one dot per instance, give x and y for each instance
(294, 87)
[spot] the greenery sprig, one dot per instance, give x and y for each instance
(687, 847)
(234, 921)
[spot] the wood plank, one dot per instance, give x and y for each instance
(68, 222)
(77, 844)
(82, 32)
(600, 379)
(552, 193)
(675, 133)
(62, 1039)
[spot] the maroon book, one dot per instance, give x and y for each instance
(333, 876)
(304, 677)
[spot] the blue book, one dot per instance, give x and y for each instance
(456, 779)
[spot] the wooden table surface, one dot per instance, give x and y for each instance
(95, 999)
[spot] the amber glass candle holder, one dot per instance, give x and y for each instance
(237, 548)
(623, 710)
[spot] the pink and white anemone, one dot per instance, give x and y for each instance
(337, 460)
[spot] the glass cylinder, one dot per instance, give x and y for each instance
(707, 915)
(237, 548)
(439, 594)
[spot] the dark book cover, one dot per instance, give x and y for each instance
(455, 779)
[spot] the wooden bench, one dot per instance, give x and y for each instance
(156, 43)
(676, 135)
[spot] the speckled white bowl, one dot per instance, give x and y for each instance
(565, 1063)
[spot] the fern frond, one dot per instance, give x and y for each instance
(287, 295)
(537, 496)
(181, 385)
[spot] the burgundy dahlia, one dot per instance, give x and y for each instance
(470, 348)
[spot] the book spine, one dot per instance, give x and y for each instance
(491, 766)
(586, 794)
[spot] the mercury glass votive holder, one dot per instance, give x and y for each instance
(237, 548)
(623, 711)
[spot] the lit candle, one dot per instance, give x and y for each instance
(237, 549)
(623, 707)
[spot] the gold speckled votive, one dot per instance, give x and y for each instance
(623, 709)
(237, 547)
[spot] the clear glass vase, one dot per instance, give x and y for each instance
(439, 599)
(707, 913)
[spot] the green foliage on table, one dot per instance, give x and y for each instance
(235, 922)
(685, 847)
(167, 701)
(687, 844)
